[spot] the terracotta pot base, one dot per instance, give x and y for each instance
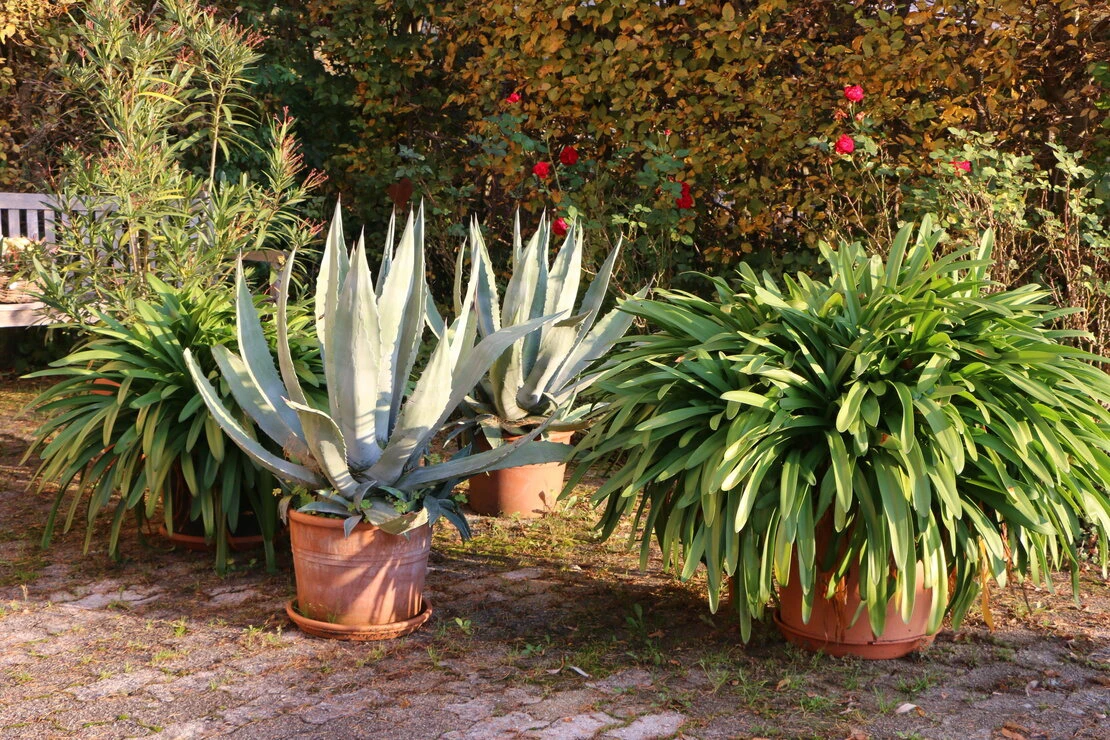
(878, 649)
(360, 633)
(196, 543)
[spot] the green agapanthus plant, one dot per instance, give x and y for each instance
(124, 424)
(363, 455)
(937, 426)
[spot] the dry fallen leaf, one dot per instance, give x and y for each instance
(1014, 731)
(783, 684)
(906, 707)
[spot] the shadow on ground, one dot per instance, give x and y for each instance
(538, 632)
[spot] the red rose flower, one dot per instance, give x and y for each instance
(845, 144)
(685, 200)
(961, 165)
(542, 170)
(513, 98)
(568, 156)
(854, 93)
(560, 227)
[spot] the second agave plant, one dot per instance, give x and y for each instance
(539, 377)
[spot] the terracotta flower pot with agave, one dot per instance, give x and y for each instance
(537, 380)
(363, 495)
(881, 445)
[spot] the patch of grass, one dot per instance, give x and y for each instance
(373, 655)
(21, 677)
(816, 704)
(917, 684)
(882, 703)
(162, 656)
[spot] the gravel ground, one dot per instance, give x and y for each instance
(538, 632)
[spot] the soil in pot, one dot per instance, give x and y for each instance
(527, 491)
(830, 628)
(363, 587)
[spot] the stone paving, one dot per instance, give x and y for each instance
(113, 659)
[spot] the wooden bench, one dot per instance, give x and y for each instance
(31, 215)
(34, 215)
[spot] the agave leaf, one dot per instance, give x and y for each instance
(285, 355)
(387, 253)
(327, 447)
(486, 301)
(597, 290)
(566, 272)
(402, 304)
(293, 472)
(600, 340)
(255, 353)
(333, 271)
(524, 451)
(558, 343)
(251, 399)
(438, 392)
(357, 400)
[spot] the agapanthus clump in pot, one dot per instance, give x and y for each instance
(880, 445)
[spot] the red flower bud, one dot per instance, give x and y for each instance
(560, 227)
(961, 165)
(513, 98)
(568, 156)
(845, 144)
(854, 93)
(542, 170)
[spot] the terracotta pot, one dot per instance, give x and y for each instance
(189, 534)
(360, 584)
(197, 543)
(830, 628)
(528, 491)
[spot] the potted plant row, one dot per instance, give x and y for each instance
(362, 490)
(536, 382)
(882, 444)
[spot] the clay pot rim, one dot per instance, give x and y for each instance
(553, 435)
(360, 632)
(331, 522)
